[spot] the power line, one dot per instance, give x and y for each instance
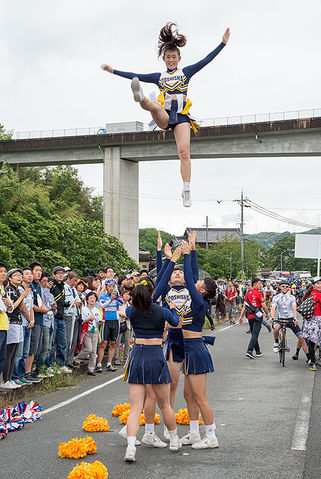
(276, 216)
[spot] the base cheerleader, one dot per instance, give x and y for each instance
(197, 359)
(171, 110)
(146, 363)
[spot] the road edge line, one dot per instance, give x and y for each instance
(81, 395)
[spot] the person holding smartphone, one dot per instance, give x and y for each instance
(15, 332)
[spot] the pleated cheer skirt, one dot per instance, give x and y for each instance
(147, 365)
(174, 343)
(197, 359)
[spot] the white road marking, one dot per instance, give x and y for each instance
(81, 395)
(226, 327)
(300, 435)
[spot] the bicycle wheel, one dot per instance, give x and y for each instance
(282, 348)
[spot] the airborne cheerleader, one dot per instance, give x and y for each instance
(171, 110)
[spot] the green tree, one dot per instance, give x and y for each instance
(148, 239)
(216, 261)
(4, 134)
(289, 262)
(33, 226)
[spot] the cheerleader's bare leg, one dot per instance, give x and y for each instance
(159, 114)
(193, 411)
(150, 438)
(137, 394)
(162, 393)
(174, 369)
(182, 133)
(197, 384)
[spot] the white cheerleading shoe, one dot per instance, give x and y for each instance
(175, 443)
(166, 434)
(130, 454)
(153, 440)
(123, 434)
(137, 90)
(187, 198)
(190, 438)
(206, 443)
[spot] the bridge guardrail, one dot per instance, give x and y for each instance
(218, 121)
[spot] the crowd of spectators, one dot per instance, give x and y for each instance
(51, 322)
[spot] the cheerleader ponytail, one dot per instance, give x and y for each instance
(170, 39)
(142, 293)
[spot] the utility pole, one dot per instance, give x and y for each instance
(242, 236)
(206, 225)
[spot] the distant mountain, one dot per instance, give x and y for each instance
(269, 239)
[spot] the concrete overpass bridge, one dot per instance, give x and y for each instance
(120, 153)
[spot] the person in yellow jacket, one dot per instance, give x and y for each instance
(5, 305)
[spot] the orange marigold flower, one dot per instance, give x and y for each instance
(77, 448)
(142, 419)
(120, 409)
(97, 470)
(94, 423)
(182, 417)
(91, 445)
(124, 416)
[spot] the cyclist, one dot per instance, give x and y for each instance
(285, 304)
(268, 294)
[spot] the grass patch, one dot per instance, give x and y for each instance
(57, 381)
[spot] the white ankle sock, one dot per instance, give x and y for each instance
(194, 426)
(186, 185)
(131, 440)
(98, 365)
(149, 428)
(210, 430)
(108, 364)
(173, 433)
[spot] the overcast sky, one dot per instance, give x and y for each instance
(50, 53)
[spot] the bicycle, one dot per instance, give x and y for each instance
(283, 347)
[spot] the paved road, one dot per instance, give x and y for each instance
(261, 412)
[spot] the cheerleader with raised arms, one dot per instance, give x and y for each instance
(146, 363)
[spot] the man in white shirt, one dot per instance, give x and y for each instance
(72, 301)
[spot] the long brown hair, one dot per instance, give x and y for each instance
(307, 293)
(170, 39)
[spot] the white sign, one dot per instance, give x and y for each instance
(307, 246)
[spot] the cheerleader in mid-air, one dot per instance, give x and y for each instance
(171, 110)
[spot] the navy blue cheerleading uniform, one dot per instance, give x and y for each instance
(182, 299)
(197, 359)
(146, 363)
(175, 82)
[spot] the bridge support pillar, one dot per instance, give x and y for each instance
(121, 199)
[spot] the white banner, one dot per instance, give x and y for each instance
(307, 246)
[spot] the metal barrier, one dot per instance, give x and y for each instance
(219, 121)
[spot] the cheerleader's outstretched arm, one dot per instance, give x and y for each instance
(190, 70)
(144, 77)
